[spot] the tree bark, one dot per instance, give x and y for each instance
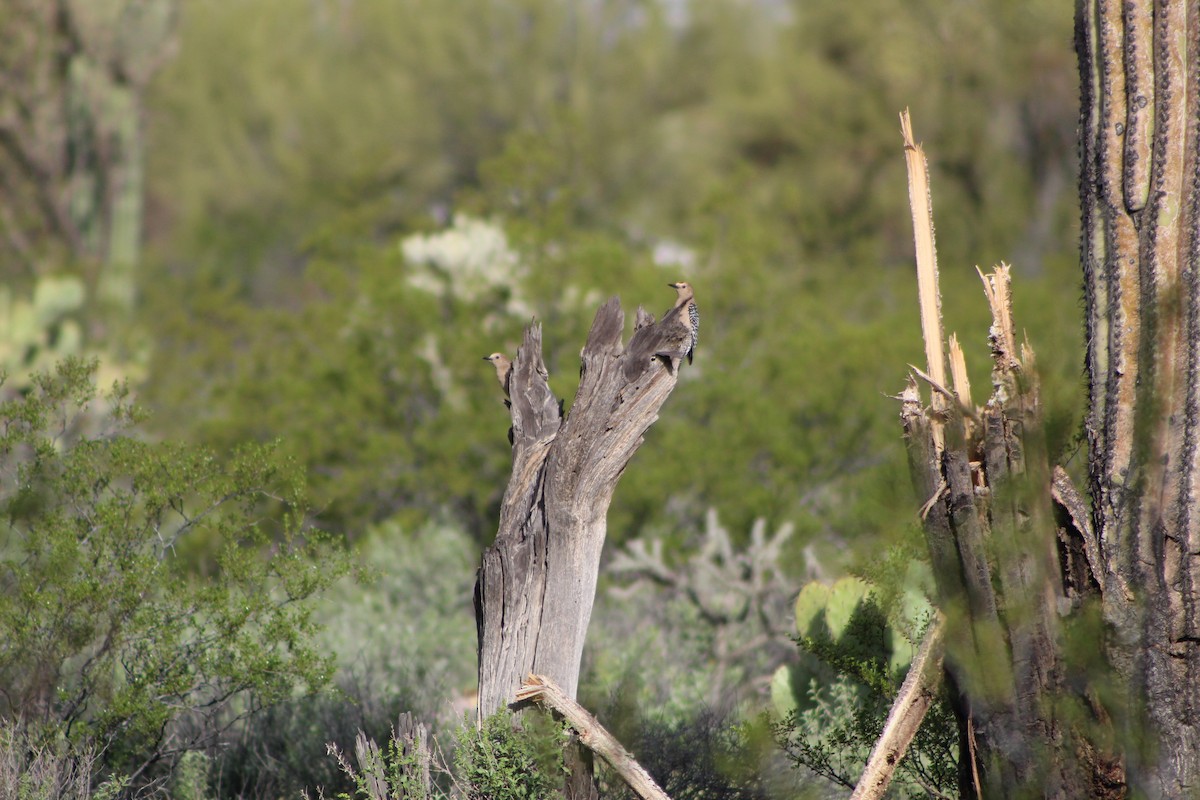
(1140, 73)
(537, 582)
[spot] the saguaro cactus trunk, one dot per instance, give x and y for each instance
(1140, 186)
(75, 73)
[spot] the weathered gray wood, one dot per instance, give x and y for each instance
(413, 739)
(537, 582)
(370, 765)
(374, 775)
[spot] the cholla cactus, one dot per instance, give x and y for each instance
(740, 594)
(726, 585)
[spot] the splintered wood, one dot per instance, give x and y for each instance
(945, 441)
(921, 202)
(958, 374)
(1002, 338)
(983, 479)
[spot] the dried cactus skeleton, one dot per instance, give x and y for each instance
(740, 593)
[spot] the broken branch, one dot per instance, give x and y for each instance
(912, 702)
(592, 734)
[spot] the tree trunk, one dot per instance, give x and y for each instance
(989, 524)
(1140, 67)
(534, 594)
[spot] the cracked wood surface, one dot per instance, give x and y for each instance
(537, 582)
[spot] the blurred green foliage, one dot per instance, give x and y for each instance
(416, 599)
(348, 203)
(618, 145)
(109, 635)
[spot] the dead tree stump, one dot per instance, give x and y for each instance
(537, 582)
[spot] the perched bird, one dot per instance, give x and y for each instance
(687, 298)
(503, 369)
(687, 313)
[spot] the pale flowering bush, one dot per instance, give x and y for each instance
(670, 254)
(468, 261)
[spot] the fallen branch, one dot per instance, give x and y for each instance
(592, 734)
(908, 710)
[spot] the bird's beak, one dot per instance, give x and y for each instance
(673, 285)
(487, 358)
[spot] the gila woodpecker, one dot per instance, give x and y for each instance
(686, 297)
(503, 369)
(679, 327)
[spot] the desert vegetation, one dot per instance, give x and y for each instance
(250, 457)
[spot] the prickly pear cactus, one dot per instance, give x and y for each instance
(843, 617)
(38, 332)
(847, 598)
(786, 689)
(810, 608)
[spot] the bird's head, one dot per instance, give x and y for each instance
(684, 290)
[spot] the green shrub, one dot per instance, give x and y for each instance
(281, 751)
(108, 634)
(702, 755)
(401, 770)
(508, 758)
(503, 762)
(401, 631)
(406, 629)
